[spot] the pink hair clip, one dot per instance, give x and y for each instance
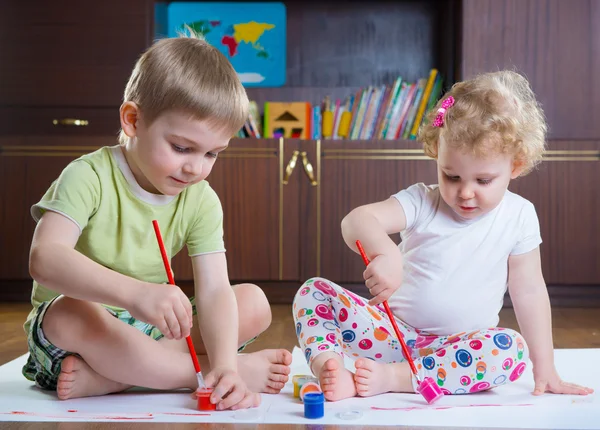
(439, 119)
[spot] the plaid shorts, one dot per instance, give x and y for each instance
(44, 362)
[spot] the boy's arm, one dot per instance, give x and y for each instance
(530, 299)
(372, 224)
(217, 310)
(54, 263)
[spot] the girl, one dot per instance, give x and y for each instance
(465, 241)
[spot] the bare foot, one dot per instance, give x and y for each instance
(374, 378)
(265, 371)
(336, 381)
(77, 379)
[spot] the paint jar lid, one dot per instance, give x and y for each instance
(314, 398)
(349, 415)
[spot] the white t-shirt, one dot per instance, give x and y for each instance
(456, 270)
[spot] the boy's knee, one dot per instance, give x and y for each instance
(68, 319)
(253, 306)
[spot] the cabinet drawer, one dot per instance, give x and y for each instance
(70, 52)
(59, 121)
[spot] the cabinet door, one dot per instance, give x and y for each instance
(351, 174)
(258, 183)
(28, 165)
(70, 52)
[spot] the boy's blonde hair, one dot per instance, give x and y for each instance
(493, 111)
(189, 75)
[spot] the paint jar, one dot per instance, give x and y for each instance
(430, 390)
(309, 387)
(204, 403)
(298, 381)
(314, 405)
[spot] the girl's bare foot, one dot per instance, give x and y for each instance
(77, 379)
(374, 378)
(265, 371)
(336, 381)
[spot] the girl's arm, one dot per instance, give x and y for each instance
(372, 224)
(530, 299)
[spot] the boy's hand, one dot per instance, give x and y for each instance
(230, 391)
(166, 307)
(383, 276)
(549, 381)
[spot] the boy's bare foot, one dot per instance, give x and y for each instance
(336, 381)
(374, 378)
(265, 371)
(77, 379)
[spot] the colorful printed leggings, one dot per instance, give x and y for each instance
(331, 318)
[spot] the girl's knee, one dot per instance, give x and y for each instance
(512, 342)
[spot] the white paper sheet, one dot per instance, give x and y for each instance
(508, 406)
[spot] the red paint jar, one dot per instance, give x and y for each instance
(204, 403)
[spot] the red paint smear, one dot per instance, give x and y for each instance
(183, 414)
(72, 410)
(150, 417)
(414, 408)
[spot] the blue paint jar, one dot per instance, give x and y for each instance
(314, 405)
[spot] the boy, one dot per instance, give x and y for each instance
(103, 317)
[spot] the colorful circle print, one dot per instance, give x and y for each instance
(298, 329)
(480, 386)
(507, 364)
(331, 338)
(500, 380)
(312, 322)
(307, 353)
(423, 341)
(348, 336)
(365, 344)
(324, 312)
(428, 363)
(463, 357)
(465, 380)
(304, 291)
(319, 296)
(326, 288)
(517, 371)
(475, 344)
(503, 341)
(343, 314)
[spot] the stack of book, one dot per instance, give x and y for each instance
(387, 112)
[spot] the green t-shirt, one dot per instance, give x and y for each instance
(100, 194)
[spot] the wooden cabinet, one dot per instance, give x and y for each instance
(259, 186)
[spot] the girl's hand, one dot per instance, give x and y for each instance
(383, 276)
(549, 382)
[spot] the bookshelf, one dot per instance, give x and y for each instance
(335, 51)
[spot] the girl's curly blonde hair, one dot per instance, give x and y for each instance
(492, 112)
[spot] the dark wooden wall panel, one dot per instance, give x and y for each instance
(564, 190)
(555, 43)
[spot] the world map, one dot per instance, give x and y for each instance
(251, 35)
(233, 35)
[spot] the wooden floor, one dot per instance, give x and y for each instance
(572, 328)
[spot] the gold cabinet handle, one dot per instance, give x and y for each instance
(290, 167)
(71, 122)
(308, 169)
